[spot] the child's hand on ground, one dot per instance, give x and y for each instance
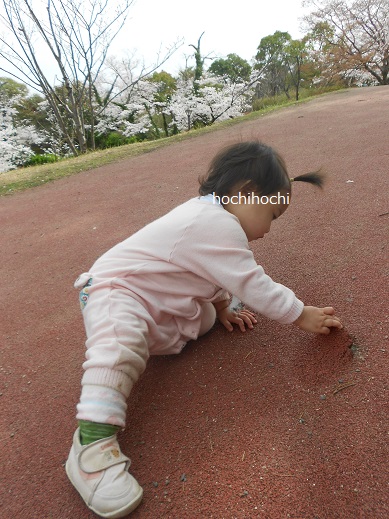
(318, 320)
(242, 318)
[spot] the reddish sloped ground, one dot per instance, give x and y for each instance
(274, 423)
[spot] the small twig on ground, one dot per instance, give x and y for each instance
(248, 355)
(343, 387)
(210, 442)
(244, 454)
(383, 214)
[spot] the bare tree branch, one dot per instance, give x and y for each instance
(77, 36)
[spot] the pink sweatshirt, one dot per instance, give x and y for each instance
(196, 253)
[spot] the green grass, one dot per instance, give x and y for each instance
(24, 178)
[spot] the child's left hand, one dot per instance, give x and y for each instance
(242, 318)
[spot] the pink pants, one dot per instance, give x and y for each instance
(117, 352)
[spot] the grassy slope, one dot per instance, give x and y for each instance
(24, 178)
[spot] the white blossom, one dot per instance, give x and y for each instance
(214, 99)
(15, 140)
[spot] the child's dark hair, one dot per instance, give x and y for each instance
(258, 166)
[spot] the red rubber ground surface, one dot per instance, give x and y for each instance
(239, 425)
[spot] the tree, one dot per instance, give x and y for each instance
(271, 58)
(216, 99)
(132, 103)
(235, 68)
(130, 114)
(355, 36)
(15, 140)
(11, 88)
(285, 64)
(318, 49)
(200, 60)
(26, 108)
(166, 86)
(295, 57)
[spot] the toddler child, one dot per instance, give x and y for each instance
(165, 286)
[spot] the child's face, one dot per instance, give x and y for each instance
(256, 217)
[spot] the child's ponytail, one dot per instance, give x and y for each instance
(316, 178)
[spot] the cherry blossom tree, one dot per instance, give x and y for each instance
(214, 99)
(353, 36)
(131, 112)
(15, 140)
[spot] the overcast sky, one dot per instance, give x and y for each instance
(234, 26)
(229, 26)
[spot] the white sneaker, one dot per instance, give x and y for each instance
(99, 473)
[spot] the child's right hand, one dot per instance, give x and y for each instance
(318, 320)
(243, 318)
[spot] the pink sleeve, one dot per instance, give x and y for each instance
(219, 252)
(222, 297)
